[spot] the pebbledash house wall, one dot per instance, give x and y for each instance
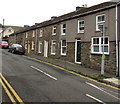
(88, 59)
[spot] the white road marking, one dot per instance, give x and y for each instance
(44, 72)
(95, 99)
(117, 93)
(101, 90)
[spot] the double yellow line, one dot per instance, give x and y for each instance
(7, 87)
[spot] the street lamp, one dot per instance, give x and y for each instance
(103, 30)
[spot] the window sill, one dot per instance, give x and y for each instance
(97, 31)
(52, 53)
(63, 34)
(99, 53)
(53, 34)
(81, 32)
(63, 54)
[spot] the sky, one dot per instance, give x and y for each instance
(29, 12)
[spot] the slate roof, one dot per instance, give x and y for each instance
(71, 15)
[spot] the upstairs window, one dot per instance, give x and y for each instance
(81, 26)
(97, 45)
(33, 34)
(100, 20)
(63, 47)
(54, 30)
(40, 33)
(63, 29)
(26, 35)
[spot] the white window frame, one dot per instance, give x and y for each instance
(62, 29)
(54, 28)
(40, 47)
(40, 33)
(53, 44)
(33, 34)
(99, 22)
(79, 26)
(64, 54)
(33, 44)
(99, 45)
(26, 35)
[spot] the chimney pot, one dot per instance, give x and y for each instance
(53, 17)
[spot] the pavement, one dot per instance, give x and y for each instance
(107, 78)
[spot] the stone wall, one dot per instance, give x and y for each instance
(94, 60)
(70, 56)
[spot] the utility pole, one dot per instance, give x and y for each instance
(3, 28)
(103, 29)
(103, 55)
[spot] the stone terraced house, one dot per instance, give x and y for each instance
(76, 37)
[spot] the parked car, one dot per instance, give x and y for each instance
(4, 44)
(17, 48)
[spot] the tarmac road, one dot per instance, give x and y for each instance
(37, 82)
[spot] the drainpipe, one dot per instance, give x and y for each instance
(36, 41)
(117, 74)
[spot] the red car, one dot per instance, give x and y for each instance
(4, 44)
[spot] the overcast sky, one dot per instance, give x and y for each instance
(29, 12)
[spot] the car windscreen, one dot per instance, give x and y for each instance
(4, 42)
(17, 45)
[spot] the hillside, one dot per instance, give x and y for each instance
(15, 28)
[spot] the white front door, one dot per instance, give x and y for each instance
(78, 51)
(45, 48)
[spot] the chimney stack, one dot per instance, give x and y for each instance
(78, 8)
(53, 17)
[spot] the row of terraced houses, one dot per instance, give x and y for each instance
(77, 36)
